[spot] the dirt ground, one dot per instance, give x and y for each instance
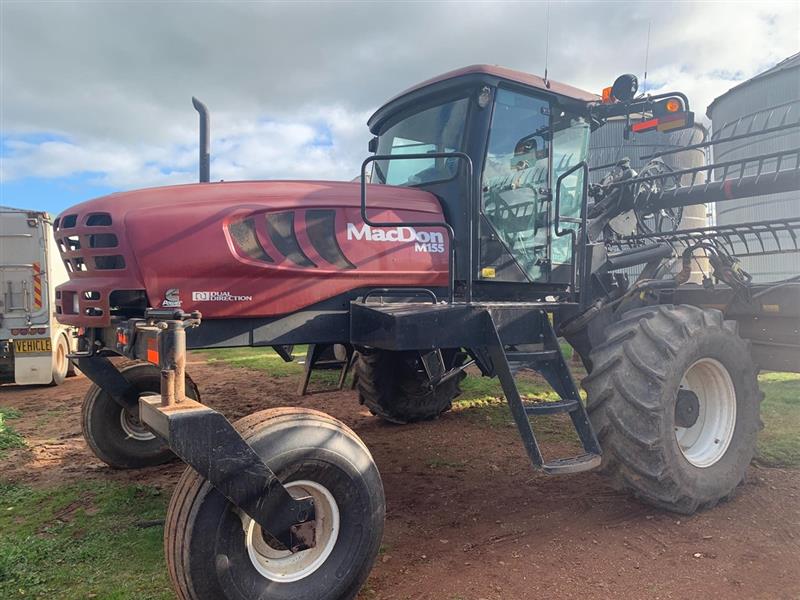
(468, 518)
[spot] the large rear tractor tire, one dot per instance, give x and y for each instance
(673, 396)
(115, 435)
(215, 552)
(394, 386)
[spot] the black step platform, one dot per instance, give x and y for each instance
(492, 332)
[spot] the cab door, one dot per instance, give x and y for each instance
(515, 201)
(532, 142)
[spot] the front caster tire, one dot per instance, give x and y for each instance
(394, 386)
(116, 436)
(673, 396)
(214, 552)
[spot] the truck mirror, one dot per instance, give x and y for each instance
(373, 145)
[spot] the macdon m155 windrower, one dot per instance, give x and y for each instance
(474, 238)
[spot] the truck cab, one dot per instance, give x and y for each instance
(33, 345)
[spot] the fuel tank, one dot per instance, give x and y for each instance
(242, 249)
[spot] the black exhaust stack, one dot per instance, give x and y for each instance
(205, 143)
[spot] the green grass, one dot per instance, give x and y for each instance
(482, 402)
(8, 437)
(257, 359)
(779, 442)
(267, 360)
(85, 541)
(82, 541)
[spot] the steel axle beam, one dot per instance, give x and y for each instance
(205, 440)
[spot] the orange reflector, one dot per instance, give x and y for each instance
(607, 97)
(672, 105)
(645, 125)
(152, 351)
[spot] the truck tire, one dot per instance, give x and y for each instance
(393, 385)
(61, 363)
(116, 436)
(673, 396)
(215, 552)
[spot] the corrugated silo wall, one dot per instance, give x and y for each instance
(607, 145)
(782, 86)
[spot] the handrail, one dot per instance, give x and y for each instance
(450, 232)
(582, 222)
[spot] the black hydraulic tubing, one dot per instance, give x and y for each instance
(450, 232)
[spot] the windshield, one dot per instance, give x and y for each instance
(437, 129)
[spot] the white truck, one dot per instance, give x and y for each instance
(33, 345)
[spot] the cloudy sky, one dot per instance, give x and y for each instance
(95, 96)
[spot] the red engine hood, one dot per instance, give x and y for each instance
(244, 249)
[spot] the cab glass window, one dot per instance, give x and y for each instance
(515, 178)
(570, 145)
(437, 129)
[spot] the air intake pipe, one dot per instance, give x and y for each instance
(205, 142)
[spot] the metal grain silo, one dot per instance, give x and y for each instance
(762, 102)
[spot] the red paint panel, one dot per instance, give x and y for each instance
(178, 238)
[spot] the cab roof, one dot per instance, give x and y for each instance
(490, 71)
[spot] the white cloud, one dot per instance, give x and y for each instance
(323, 146)
(290, 85)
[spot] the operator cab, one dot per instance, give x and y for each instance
(521, 134)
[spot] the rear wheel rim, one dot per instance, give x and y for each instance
(283, 566)
(706, 442)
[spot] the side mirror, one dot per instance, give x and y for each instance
(625, 87)
(373, 145)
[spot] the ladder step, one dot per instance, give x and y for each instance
(551, 408)
(575, 464)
